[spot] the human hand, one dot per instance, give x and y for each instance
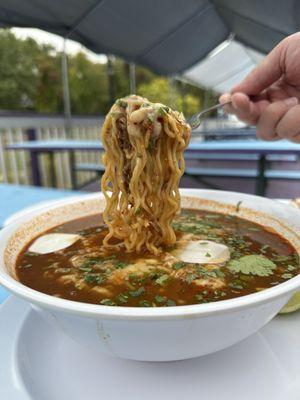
(269, 96)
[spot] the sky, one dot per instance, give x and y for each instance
(57, 42)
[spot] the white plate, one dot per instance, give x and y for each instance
(38, 363)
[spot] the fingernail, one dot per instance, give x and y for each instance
(224, 98)
(291, 102)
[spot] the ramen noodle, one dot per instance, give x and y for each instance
(144, 144)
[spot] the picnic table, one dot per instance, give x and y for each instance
(196, 146)
(14, 198)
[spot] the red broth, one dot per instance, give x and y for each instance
(84, 272)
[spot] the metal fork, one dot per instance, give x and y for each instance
(197, 119)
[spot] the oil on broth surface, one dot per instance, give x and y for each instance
(82, 272)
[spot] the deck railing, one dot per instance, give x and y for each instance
(15, 127)
(14, 165)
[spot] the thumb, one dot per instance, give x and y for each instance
(264, 75)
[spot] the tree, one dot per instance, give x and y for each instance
(88, 86)
(30, 79)
(159, 90)
(18, 72)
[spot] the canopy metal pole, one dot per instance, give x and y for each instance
(172, 91)
(65, 80)
(110, 73)
(132, 78)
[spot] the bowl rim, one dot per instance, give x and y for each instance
(140, 313)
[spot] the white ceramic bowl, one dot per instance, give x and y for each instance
(155, 334)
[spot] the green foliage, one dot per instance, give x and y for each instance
(30, 79)
(159, 90)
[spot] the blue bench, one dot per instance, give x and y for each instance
(239, 157)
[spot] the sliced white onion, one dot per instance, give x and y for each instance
(203, 252)
(52, 242)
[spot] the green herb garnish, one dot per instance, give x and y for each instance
(162, 280)
(170, 303)
(25, 266)
(86, 269)
(107, 302)
(190, 277)
(122, 298)
(178, 265)
(236, 285)
(160, 299)
(238, 205)
(199, 297)
(94, 278)
(264, 248)
(91, 261)
(120, 264)
(121, 103)
(287, 276)
(252, 265)
(138, 292)
(151, 144)
(145, 303)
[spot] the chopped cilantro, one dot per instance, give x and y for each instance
(287, 276)
(25, 266)
(252, 265)
(151, 144)
(162, 111)
(238, 205)
(121, 103)
(207, 254)
(236, 285)
(199, 297)
(264, 248)
(122, 298)
(145, 303)
(86, 269)
(91, 261)
(120, 264)
(63, 270)
(107, 302)
(219, 293)
(138, 292)
(190, 277)
(30, 254)
(133, 276)
(170, 303)
(160, 299)
(94, 278)
(219, 273)
(178, 265)
(162, 280)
